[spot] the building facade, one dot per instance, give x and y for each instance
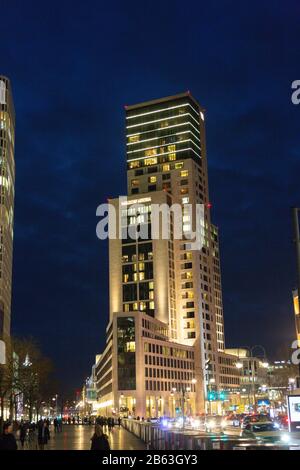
(165, 340)
(7, 185)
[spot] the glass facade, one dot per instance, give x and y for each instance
(126, 353)
(137, 262)
(163, 132)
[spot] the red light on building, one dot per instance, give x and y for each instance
(209, 205)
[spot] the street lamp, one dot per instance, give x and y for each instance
(184, 390)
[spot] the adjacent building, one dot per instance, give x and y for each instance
(7, 184)
(165, 338)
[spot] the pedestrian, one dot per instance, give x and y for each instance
(55, 425)
(43, 434)
(99, 440)
(8, 440)
(23, 432)
(109, 424)
(32, 444)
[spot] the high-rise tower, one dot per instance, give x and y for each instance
(166, 150)
(166, 331)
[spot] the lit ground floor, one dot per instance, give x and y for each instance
(78, 437)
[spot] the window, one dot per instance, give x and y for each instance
(134, 164)
(152, 179)
(184, 173)
(134, 138)
(178, 165)
(150, 161)
(166, 167)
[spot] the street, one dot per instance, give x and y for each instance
(75, 437)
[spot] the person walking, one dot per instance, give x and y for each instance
(55, 422)
(99, 440)
(43, 434)
(23, 432)
(8, 440)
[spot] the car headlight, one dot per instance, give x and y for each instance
(285, 438)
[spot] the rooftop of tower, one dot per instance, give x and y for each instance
(165, 99)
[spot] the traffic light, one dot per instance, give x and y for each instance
(211, 396)
(222, 396)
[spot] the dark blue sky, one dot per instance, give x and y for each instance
(73, 67)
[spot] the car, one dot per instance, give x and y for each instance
(262, 431)
(214, 423)
(232, 420)
(254, 418)
(282, 422)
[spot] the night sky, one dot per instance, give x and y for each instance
(73, 67)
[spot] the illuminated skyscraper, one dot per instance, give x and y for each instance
(7, 190)
(166, 330)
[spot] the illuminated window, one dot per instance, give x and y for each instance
(150, 161)
(151, 285)
(164, 124)
(172, 157)
(134, 164)
(134, 138)
(184, 191)
(189, 275)
(126, 307)
(141, 276)
(185, 200)
(125, 258)
(135, 306)
(171, 148)
(125, 277)
(130, 346)
(187, 227)
(178, 165)
(166, 167)
(151, 305)
(134, 183)
(152, 179)
(150, 152)
(184, 173)
(141, 266)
